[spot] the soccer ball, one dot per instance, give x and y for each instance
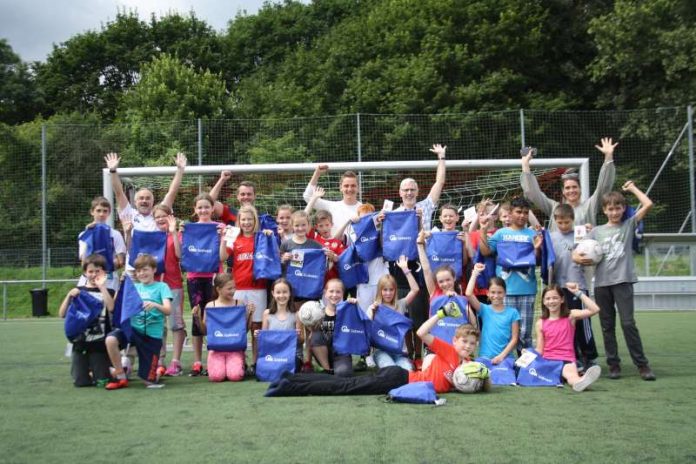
(591, 249)
(310, 313)
(470, 377)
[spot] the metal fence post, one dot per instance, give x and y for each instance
(200, 153)
(357, 120)
(44, 257)
(523, 138)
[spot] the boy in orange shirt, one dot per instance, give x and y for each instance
(438, 368)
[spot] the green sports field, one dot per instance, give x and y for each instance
(46, 419)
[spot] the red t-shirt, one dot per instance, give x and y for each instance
(242, 254)
(332, 244)
(228, 216)
(172, 269)
(440, 370)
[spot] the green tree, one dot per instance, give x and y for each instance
(90, 71)
(169, 91)
(19, 100)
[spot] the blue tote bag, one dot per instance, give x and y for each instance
(308, 281)
(200, 247)
(277, 349)
(485, 277)
(416, 392)
(84, 309)
(367, 244)
(227, 330)
(502, 373)
(98, 241)
(515, 255)
(351, 330)
(350, 269)
(399, 233)
(447, 326)
(266, 257)
(541, 373)
(152, 243)
(388, 330)
(444, 248)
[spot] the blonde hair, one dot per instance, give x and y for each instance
(300, 214)
(248, 209)
(385, 280)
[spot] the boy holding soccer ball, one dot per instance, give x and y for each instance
(614, 278)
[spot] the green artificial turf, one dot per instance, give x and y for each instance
(46, 419)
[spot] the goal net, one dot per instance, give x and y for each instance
(468, 181)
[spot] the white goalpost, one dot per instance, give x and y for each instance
(467, 180)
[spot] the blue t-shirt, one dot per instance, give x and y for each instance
(497, 329)
(518, 281)
(151, 323)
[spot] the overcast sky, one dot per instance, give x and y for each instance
(33, 26)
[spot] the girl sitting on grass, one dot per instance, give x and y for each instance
(556, 332)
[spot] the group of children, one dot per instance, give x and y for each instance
(498, 308)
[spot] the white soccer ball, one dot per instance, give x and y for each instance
(470, 377)
(310, 313)
(591, 249)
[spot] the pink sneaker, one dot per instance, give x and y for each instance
(174, 369)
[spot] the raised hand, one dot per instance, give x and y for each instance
(439, 150)
(112, 160)
(180, 161)
(607, 147)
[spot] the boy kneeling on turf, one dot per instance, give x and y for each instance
(147, 325)
(438, 368)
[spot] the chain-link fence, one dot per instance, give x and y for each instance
(72, 156)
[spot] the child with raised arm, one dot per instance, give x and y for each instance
(555, 333)
(614, 278)
(387, 298)
(501, 324)
(147, 325)
(90, 362)
(566, 270)
(440, 282)
(100, 212)
(321, 233)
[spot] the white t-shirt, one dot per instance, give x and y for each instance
(340, 211)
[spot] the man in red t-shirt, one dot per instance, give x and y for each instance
(246, 195)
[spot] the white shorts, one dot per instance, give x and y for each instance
(258, 297)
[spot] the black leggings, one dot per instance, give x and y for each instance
(327, 385)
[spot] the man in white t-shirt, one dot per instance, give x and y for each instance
(141, 213)
(341, 211)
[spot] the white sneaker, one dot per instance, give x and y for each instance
(591, 374)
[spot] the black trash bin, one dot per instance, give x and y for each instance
(39, 302)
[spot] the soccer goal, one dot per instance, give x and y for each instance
(468, 181)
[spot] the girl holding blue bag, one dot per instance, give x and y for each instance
(387, 300)
(555, 332)
(249, 290)
(282, 315)
(321, 338)
(225, 364)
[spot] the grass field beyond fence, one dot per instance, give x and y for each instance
(46, 419)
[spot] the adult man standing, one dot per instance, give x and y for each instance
(343, 210)
(246, 195)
